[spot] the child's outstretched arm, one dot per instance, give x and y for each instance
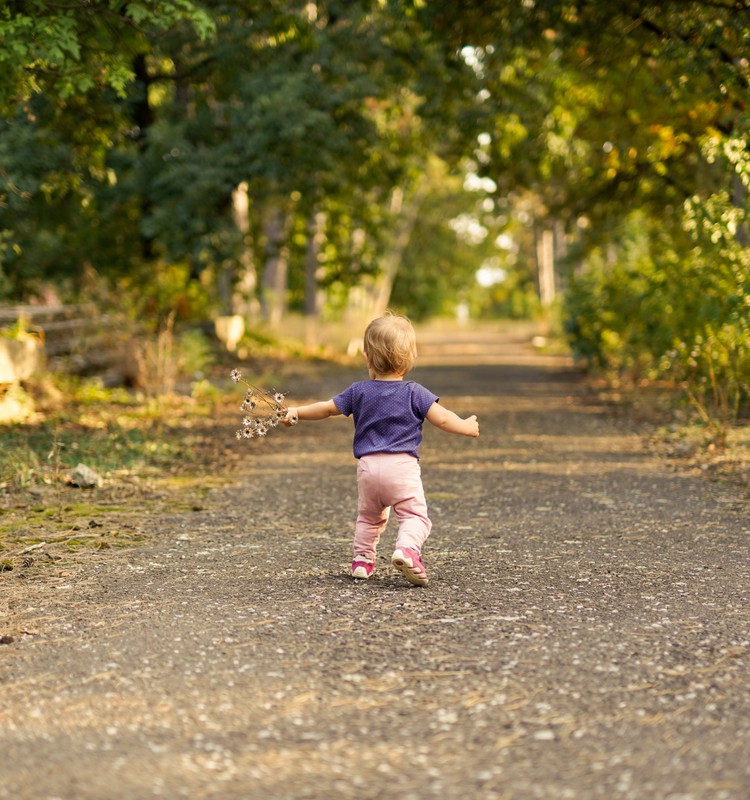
(446, 420)
(321, 410)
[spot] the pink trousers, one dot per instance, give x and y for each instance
(388, 481)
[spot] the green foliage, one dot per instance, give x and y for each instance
(622, 127)
(18, 330)
(658, 308)
(69, 50)
(454, 235)
(305, 101)
(170, 290)
(628, 126)
(127, 445)
(195, 353)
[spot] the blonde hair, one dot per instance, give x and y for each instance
(390, 345)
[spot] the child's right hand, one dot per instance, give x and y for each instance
(449, 421)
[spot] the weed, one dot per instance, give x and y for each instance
(263, 409)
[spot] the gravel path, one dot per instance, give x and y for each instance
(584, 635)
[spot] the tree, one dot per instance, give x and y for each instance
(309, 104)
(64, 73)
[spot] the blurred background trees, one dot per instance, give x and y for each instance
(582, 162)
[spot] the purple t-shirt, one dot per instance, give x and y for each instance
(388, 415)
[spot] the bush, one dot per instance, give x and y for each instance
(670, 304)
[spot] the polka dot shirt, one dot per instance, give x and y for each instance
(388, 415)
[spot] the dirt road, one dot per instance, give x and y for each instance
(585, 634)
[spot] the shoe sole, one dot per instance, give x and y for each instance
(402, 565)
(361, 573)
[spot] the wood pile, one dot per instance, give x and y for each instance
(74, 339)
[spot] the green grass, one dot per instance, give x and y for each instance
(106, 434)
(152, 455)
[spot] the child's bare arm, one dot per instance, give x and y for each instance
(321, 410)
(446, 420)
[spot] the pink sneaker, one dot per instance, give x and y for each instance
(362, 568)
(409, 563)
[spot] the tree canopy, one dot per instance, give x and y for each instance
(277, 152)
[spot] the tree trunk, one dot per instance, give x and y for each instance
(276, 266)
(545, 259)
(315, 228)
(143, 117)
(392, 259)
(244, 299)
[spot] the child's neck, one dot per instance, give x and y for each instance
(389, 376)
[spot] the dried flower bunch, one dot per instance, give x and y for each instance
(263, 409)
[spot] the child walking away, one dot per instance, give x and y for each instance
(388, 415)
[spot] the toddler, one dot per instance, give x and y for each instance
(388, 416)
